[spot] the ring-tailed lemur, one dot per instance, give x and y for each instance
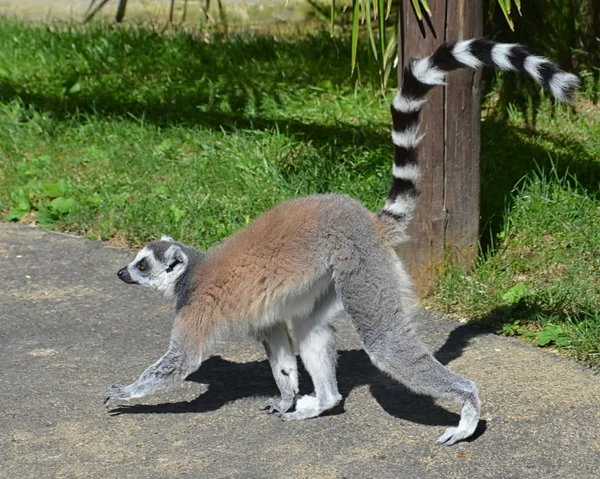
(310, 259)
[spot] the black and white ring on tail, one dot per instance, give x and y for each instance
(310, 261)
(424, 74)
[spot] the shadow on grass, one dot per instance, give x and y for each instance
(229, 83)
(510, 153)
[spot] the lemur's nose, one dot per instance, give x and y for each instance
(121, 272)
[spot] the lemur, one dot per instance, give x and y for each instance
(312, 259)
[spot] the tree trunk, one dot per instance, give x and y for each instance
(446, 226)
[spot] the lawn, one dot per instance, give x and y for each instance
(123, 134)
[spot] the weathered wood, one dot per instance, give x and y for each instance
(446, 225)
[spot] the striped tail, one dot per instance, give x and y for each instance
(425, 73)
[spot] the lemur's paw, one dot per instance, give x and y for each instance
(278, 404)
(309, 406)
(116, 393)
(306, 407)
(452, 435)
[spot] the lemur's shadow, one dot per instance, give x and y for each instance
(229, 381)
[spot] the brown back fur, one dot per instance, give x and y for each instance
(255, 267)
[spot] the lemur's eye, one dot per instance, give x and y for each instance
(141, 265)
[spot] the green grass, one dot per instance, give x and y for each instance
(152, 134)
(124, 134)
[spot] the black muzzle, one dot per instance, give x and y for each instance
(124, 275)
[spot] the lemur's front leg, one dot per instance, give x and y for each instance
(168, 371)
(280, 352)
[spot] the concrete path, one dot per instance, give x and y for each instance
(69, 329)
(239, 12)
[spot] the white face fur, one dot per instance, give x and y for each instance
(158, 271)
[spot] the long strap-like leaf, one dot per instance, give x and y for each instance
(355, 5)
(381, 19)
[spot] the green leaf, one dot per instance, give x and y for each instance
(62, 205)
(550, 334)
(332, 16)
(518, 4)
(505, 6)
(176, 212)
(166, 144)
(529, 336)
(75, 88)
(355, 6)
(515, 294)
(45, 217)
(23, 204)
(34, 185)
(512, 329)
(43, 160)
(162, 190)
(381, 34)
(18, 195)
(370, 30)
(326, 85)
(426, 7)
(15, 214)
(53, 190)
(417, 7)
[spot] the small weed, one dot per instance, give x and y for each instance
(51, 201)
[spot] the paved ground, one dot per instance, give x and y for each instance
(69, 329)
(239, 12)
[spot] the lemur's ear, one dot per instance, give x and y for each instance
(167, 238)
(175, 258)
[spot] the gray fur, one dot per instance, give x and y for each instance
(166, 373)
(346, 266)
(159, 256)
(380, 307)
(184, 286)
(316, 342)
(280, 352)
(358, 277)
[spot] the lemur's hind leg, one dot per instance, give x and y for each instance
(169, 371)
(282, 358)
(378, 300)
(316, 342)
(415, 367)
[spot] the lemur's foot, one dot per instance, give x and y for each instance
(309, 406)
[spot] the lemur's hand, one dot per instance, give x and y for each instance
(116, 393)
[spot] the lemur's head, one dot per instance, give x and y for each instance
(158, 265)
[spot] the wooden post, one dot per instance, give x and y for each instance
(446, 226)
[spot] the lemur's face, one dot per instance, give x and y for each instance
(157, 265)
